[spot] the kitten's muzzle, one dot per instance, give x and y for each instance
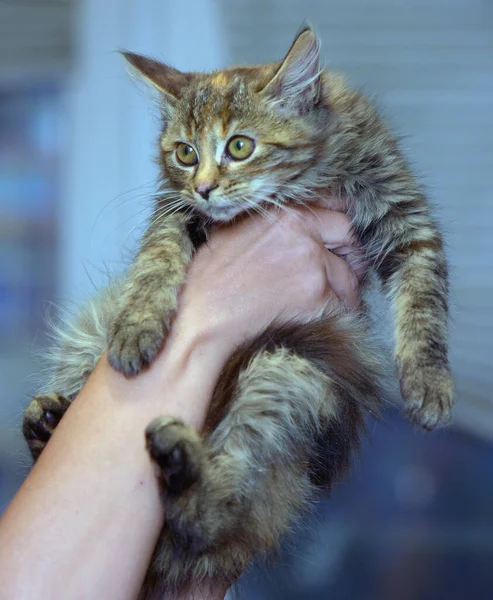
(204, 189)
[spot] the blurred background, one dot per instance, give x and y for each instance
(415, 519)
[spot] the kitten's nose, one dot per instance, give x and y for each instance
(204, 189)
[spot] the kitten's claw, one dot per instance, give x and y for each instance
(40, 419)
(133, 346)
(177, 451)
(428, 393)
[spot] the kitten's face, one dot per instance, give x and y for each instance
(227, 152)
(239, 139)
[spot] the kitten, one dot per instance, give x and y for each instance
(288, 410)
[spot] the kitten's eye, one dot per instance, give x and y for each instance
(240, 147)
(186, 155)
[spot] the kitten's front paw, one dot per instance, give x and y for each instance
(428, 393)
(133, 345)
(40, 419)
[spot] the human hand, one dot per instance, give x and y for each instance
(260, 270)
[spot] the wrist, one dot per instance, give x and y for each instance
(186, 371)
(198, 338)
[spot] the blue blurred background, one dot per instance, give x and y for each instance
(415, 519)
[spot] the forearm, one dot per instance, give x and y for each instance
(86, 520)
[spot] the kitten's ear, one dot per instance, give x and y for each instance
(296, 85)
(166, 80)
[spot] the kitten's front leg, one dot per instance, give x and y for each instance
(421, 306)
(415, 274)
(150, 297)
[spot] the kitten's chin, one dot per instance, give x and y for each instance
(221, 214)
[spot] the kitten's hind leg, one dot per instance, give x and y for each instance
(235, 494)
(284, 420)
(266, 435)
(40, 419)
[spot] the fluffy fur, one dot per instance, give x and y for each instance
(288, 410)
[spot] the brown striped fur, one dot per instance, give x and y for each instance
(288, 410)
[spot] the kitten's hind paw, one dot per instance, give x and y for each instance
(202, 508)
(134, 345)
(40, 419)
(428, 394)
(177, 451)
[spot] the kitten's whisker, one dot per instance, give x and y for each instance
(124, 201)
(136, 226)
(170, 208)
(137, 214)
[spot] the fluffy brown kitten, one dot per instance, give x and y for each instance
(288, 409)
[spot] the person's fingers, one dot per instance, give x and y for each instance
(354, 256)
(334, 228)
(342, 279)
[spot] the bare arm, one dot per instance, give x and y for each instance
(86, 520)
